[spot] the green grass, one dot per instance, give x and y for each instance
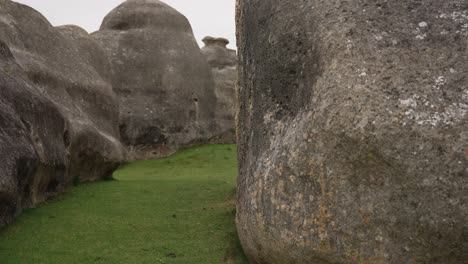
(174, 210)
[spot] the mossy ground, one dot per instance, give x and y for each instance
(173, 210)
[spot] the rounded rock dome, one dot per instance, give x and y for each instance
(134, 14)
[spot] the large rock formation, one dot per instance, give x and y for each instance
(223, 63)
(32, 141)
(163, 81)
(59, 115)
(93, 107)
(353, 131)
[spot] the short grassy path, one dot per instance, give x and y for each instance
(173, 210)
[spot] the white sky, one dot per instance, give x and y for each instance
(208, 17)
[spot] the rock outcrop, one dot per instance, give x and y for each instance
(32, 141)
(353, 131)
(223, 63)
(59, 115)
(163, 82)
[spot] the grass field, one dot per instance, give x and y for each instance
(175, 210)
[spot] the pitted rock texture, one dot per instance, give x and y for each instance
(90, 50)
(59, 115)
(223, 63)
(32, 151)
(353, 131)
(163, 82)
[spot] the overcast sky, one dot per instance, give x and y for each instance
(208, 17)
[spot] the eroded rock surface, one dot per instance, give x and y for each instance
(32, 151)
(163, 82)
(59, 113)
(353, 131)
(223, 63)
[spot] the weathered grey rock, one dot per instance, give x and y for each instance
(353, 131)
(223, 63)
(90, 50)
(32, 148)
(95, 148)
(217, 53)
(163, 81)
(62, 114)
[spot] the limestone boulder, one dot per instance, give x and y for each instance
(162, 80)
(223, 62)
(32, 141)
(90, 50)
(353, 131)
(217, 53)
(60, 115)
(95, 146)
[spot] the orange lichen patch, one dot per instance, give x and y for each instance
(324, 219)
(325, 246)
(312, 167)
(365, 215)
(354, 255)
(324, 213)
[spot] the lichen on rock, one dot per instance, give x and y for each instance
(352, 131)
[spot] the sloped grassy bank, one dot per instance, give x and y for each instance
(174, 210)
